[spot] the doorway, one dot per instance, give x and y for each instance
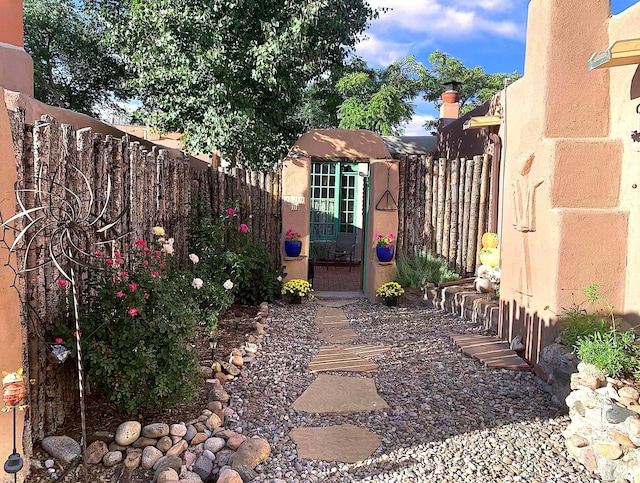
(336, 202)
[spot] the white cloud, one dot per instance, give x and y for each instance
(381, 53)
(414, 127)
(452, 19)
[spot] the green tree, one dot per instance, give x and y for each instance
(74, 67)
(476, 86)
(230, 74)
(379, 99)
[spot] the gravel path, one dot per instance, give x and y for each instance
(449, 419)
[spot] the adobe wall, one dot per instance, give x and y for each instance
(563, 225)
(16, 66)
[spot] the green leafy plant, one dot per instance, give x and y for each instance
(420, 267)
(597, 340)
(612, 351)
(578, 324)
(137, 325)
(389, 291)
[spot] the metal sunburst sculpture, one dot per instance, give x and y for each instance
(69, 221)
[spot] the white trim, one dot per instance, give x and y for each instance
(5, 45)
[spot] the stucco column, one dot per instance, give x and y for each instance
(380, 221)
(295, 213)
(11, 332)
(16, 66)
(561, 227)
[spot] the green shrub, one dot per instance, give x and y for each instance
(136, 329)
(420, 267)
(577, 324)
(612, 351)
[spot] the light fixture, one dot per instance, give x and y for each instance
(621, 52)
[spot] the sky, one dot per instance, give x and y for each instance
(488, 33)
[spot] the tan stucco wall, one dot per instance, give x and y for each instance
(624, 90)
(16, 66)
(557, 144)
(11, 333)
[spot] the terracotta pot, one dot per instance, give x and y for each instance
(450, 97)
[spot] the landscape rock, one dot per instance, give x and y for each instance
(214, 444)
(167, 475)
(203, 467)
(112, 458)
(235, 440)
(191, 432)
(178, 430)
(63, 448)
(150, 455)
(178, 448)
(199, 438)
(164, 444)
(128, 432)
(96, 451)
(213, 422)
(155, 430)
(143, 442)
(229, 476)
(133, 459)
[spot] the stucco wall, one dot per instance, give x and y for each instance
(16, 66)
(563, 225)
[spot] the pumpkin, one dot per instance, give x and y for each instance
(490, 240)
(489, 256)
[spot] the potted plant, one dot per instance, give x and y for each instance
(296, 289)
(292, 243)
(384, 246)
(389, 293)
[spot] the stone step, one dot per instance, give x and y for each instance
(491, 352)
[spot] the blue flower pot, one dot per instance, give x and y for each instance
(384, 254)
(292, 248)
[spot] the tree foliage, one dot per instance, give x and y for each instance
(476, 86)
(74, 67)
(379, 99)
(231, 73)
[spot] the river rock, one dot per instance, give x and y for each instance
(96, 451)
(164, 444)
(251, 453)
(150, 455)
(133, 458)
(213, 422)
(214, 444)
(63, 448)
(178, 430)
(167, 475)
(155, 430)
(229, 476)
(112, 458)
(128, 432)
(203, 467)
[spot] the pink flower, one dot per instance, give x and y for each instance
(121, 261)
(195, 183)
(59, 340)
(116, 280)
(133, 286)
(146, 296)
(157, 253)
(109, 261)
(154, 274)
(120, 294)
(116, 253)
(391, 236)
(77, 334)
(97, 253)
(132, 311)
(147, 250)
(124, 274)
(243, 228)
(145, 263)
(230, 211)
(62, 282)
(140, 243)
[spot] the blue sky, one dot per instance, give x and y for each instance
(488, 33)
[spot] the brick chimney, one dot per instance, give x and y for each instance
(450, 108)
(16, 66)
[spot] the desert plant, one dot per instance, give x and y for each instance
(420, 267)
(612, 351)
(578, 324)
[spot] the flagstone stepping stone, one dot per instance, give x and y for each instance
(340, 394)
(336, 358)
(492, 352)
(345, 443)
(337, 336)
